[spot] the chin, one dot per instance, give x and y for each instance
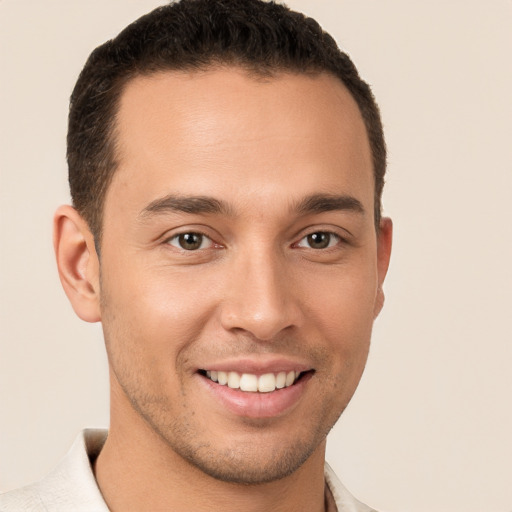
(238, 467)
(249, 456)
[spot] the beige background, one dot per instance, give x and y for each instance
(430, 428)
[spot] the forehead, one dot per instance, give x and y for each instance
(223, 129)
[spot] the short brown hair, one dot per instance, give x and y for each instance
(263, 37)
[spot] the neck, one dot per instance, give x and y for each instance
(137, 471)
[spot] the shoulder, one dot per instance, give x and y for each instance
(27, 498)
(70, 486)
(344, 500)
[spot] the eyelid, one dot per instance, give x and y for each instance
(173, 234)
(338, 239)
(204, 239)
(341, 233)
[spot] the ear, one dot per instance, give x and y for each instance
(384, 242)
(77, 262)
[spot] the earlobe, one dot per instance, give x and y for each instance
(384, 243)
(77, 262)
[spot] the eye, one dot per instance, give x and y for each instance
(319, 240)
(190, 241)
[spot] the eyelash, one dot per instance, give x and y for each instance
(331, 237)
(190, 233)
(309, 238)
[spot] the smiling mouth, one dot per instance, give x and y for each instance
(252, 383)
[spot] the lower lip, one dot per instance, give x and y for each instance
(258, 405)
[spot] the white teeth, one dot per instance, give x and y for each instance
(265, 383)
(233, 380)
(281, 380)
(249, 382)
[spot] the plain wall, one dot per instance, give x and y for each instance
(430, 427)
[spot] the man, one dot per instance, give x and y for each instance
(226, 165)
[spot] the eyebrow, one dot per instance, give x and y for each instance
(316, 203)
(319, 203)
(185, 204)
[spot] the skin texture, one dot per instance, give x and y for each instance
(255, 293)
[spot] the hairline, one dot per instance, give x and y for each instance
(254, 71)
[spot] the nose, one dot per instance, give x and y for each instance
(260, 298)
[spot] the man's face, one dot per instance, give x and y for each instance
(239, 243)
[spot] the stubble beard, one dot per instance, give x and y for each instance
(248, 462)
(251, 461)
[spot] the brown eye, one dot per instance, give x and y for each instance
(319, 240)
(190, 241)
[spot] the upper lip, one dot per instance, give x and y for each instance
(257, 366)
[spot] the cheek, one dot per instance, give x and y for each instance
(344, 301)
(343, 311)
(151, 317)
